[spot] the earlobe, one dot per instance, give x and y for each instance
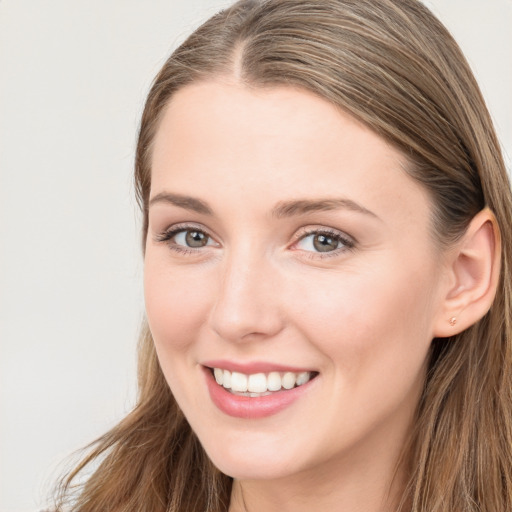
(474, 269)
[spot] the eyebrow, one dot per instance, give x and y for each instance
(186, 202)
(283, 209)
(303, 206)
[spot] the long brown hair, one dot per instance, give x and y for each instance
(392, 65)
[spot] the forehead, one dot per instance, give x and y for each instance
(269, 144)
(226, 118)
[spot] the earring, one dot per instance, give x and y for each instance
(453, 320)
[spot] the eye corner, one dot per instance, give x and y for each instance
(186, 238)
(315, 239)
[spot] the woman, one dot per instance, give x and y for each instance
(327, 273)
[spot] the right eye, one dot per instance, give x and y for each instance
(192, 238)
(322, 242)
(186, 239)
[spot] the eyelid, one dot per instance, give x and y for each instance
(170, 232)
(319, 229)
(349, 242)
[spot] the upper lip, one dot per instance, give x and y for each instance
(253, 367)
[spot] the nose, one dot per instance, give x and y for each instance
(247, 303)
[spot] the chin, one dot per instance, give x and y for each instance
(253, 470)
(254, 457)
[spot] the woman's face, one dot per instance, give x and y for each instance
(287, 243)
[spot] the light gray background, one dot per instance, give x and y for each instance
(73, 77)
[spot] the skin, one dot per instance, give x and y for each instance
(362, 315)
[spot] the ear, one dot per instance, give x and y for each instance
(472, 276)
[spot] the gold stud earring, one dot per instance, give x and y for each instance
(453, 320)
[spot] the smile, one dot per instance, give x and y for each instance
(259, 384)
(258, 392)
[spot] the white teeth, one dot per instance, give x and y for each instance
(274, 381)
(259, 384)
(288, 380)
(219, 375)
(302, 378)
(238, 382)
(226, 379)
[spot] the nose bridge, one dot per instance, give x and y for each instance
(246, 302)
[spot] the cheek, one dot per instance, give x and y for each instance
(176, 305)
(371, 330)
(369, 322)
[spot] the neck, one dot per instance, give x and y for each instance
(342, 495)
(369, 479)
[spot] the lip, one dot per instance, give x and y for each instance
(253, 367)
(252, 407)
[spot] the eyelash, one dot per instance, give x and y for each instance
(348, 244)
(170, 233)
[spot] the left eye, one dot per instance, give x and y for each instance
(192, 238)
(321, 242)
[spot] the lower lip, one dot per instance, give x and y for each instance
(252, 407)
